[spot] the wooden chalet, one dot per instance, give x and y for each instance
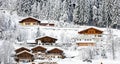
(37, 52)
(24, 56)
(91, 31)
(38, 49)
(55, 53)
(21, 49)
(29, 21)
(46, 40)
(89, 37)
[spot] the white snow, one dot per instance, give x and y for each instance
(30, 41)
(85, 41)
(1, 42)
(64, 35)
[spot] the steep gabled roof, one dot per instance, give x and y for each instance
(22, 48)
(29, 18)
(40, 47)
(55, 49)
(82, 31)
(46, 37)
(24, 52)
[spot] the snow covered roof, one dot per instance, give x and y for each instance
(47, 21)
(38, 46)
(44, 21)
(53, 47)
(29, 18)
(90, 28)
(83, 47)
(23, 52)
(46, 36)
(30, 41)
(85, 41)
(20, 42)
(22, 48)
(87, 27)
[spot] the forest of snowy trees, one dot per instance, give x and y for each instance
(83, 12)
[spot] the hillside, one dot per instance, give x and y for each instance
(101, 13)
(13, 35)
(73, 53)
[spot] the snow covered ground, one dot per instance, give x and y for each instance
(65, 35)
(77, 61)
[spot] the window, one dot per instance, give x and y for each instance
(27, 23)
(34, 23)
(91, 31)
(99, 35)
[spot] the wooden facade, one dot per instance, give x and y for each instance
(38, 52)
(91, 31)
(24, 56)
(38, 49)
(89, 37)
(86, 44)
(21, 49)
(46, 40)
(55, 53)
(29, 21)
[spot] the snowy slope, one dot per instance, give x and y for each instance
(65, 34)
